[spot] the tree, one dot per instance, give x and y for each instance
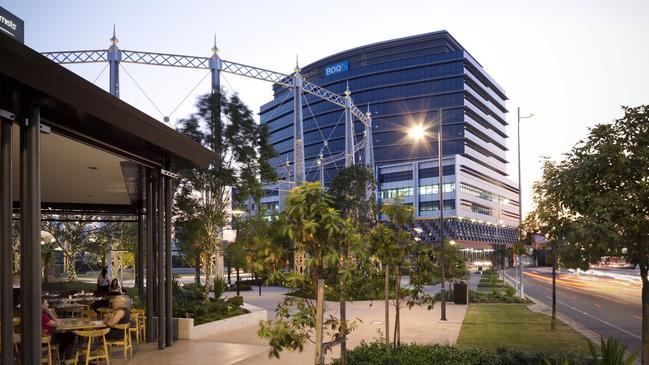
(71, 235)
(603, 182)
(549, 219)
(383, 248)
(235, 253)
(400, 216)
(225, 125)
(190, 237)
(454, 263)
(314, 226)
(348, 190)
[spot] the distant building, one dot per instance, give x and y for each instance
(406, 82)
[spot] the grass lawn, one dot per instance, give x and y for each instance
(489, 326)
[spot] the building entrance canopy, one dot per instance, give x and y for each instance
(69, 146)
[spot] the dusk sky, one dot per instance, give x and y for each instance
(572, 63)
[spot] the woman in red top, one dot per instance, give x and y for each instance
(49, 322)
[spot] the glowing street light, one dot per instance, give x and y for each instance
(417, 132)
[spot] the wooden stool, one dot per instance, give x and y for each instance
(125, 342)
(101, 350)
(135, 327)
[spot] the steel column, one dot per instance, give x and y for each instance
(141, 235)
(298, 136)
(30, 247)
(168, 277)
(114, 58)
(349, 130)
(160, 272)
(215, 66)
(6, 244)
(369, 152)
(150, 259)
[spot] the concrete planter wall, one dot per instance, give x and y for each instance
(185, 329)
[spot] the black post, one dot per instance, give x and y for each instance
(150, 281)
(160, 227)
(141, 234)
(441, 212)
(30, 248)
(6, 244)
(155, 246)
(168, 262)
(259, 282)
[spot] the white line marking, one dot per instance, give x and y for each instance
(601, 320)
(8, 32)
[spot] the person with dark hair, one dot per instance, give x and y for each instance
(115, 287)
(50, 322)
(103, 281)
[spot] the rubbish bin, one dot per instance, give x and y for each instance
(460, 293)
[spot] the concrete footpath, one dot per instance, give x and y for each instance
(244, 346)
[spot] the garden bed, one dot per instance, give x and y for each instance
(410, 354)
(247, 315)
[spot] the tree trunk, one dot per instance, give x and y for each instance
(238, 280)
(343, 327)
(553, 322)
(644, 270)
(70, 270)
(387, 308)
(229, 273)
(397, 309)
(318, 358)
(197, 267)
(208, 273)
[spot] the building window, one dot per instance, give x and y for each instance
(478, 193)
(434, 189)
(434, 171)
(480, 209)
(433, 206)
(396, 176)
(393, 193)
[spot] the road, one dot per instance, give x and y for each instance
(607, 306)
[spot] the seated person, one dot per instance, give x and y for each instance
(115, 289)
(121, 315)
(50, 322)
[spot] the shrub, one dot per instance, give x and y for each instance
(510, 291)
(612, 352)
(410, 354)
(220, 286)
(236, 301)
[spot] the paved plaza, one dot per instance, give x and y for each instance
(243, 346)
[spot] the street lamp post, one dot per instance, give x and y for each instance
(416, 132)
(520, 199)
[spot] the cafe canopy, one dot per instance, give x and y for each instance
(69, 147)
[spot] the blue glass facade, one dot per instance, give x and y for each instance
(403, 81)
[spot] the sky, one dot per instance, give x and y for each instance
(571, 63)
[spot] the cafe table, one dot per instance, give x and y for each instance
(73, 324)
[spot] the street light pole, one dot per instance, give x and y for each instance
(520, 199)
(441, 211)
(416, 132)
